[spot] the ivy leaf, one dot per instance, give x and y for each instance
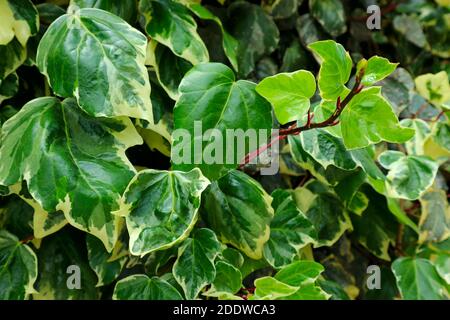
(18, 268)
(199, 250)
(330, 14)
(20, 19)
(290, 230)
(282, 9)
(246, 21)
(230, 44)
(324, 209)
(369, 119)
(376, 69)
(417, 279)
(98, 58)
(61, 263)
(415, 146)
(141, 287)
(228, 281)
(434, 224)
(161, 208)
(212, 99)
(435, 88)
(376, 228)
(409, 27)
(238, 209)
(102, 262)
(300, 273)
(335, 69)
(171, 24)
(409, 176)
(269, 288)
(85, 169)
(126, 9)
(327, 149)
(289, 94)
(13, 55)
(437, 145)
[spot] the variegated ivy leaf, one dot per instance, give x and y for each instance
(85, 169)
(415, 146)
(335, 69)
(435, 88)
(161, 208)
(126, 9)
(294, 282)
(98, 58)
(289, 94)
(19, 19)
(169, 68)
(13, 55)
(101, 261)
(369, 119)
(16, 216)
(376, 228)
(211, 104)
(330, 14)
(238, 209)
(247, 20)
(437, 145)
(9, 87)
(18, 268)
(141, 287)
(290, 230)
(325, 210)
(229, 43)
(281, 9)
(409, 176)
(327, 149)
(417, 279)
(171, 24)
(63, 267)
(434, 224)
(44, 223)
(228, 281)
(199, 250)
(375, 69)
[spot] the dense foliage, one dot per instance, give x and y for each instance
(93, 204)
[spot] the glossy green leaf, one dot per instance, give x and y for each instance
(98, 58)
(330, 14)
(171, 24)
(126, 9)
(246, 20)
(161, 208)
(417, 279)
(18, 268)
(85, 169)
(19, 19)
(290, 230)
(375, 69)
(199, 250)
(212, 99)
(289, 94)
(269, 288)
(141, 287)
(369, 119)
(335, 68)
(409, 176)
(434, 224)
(238, 209)
(62, 267)
(300, 273)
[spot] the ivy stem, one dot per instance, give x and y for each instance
(333, 120)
